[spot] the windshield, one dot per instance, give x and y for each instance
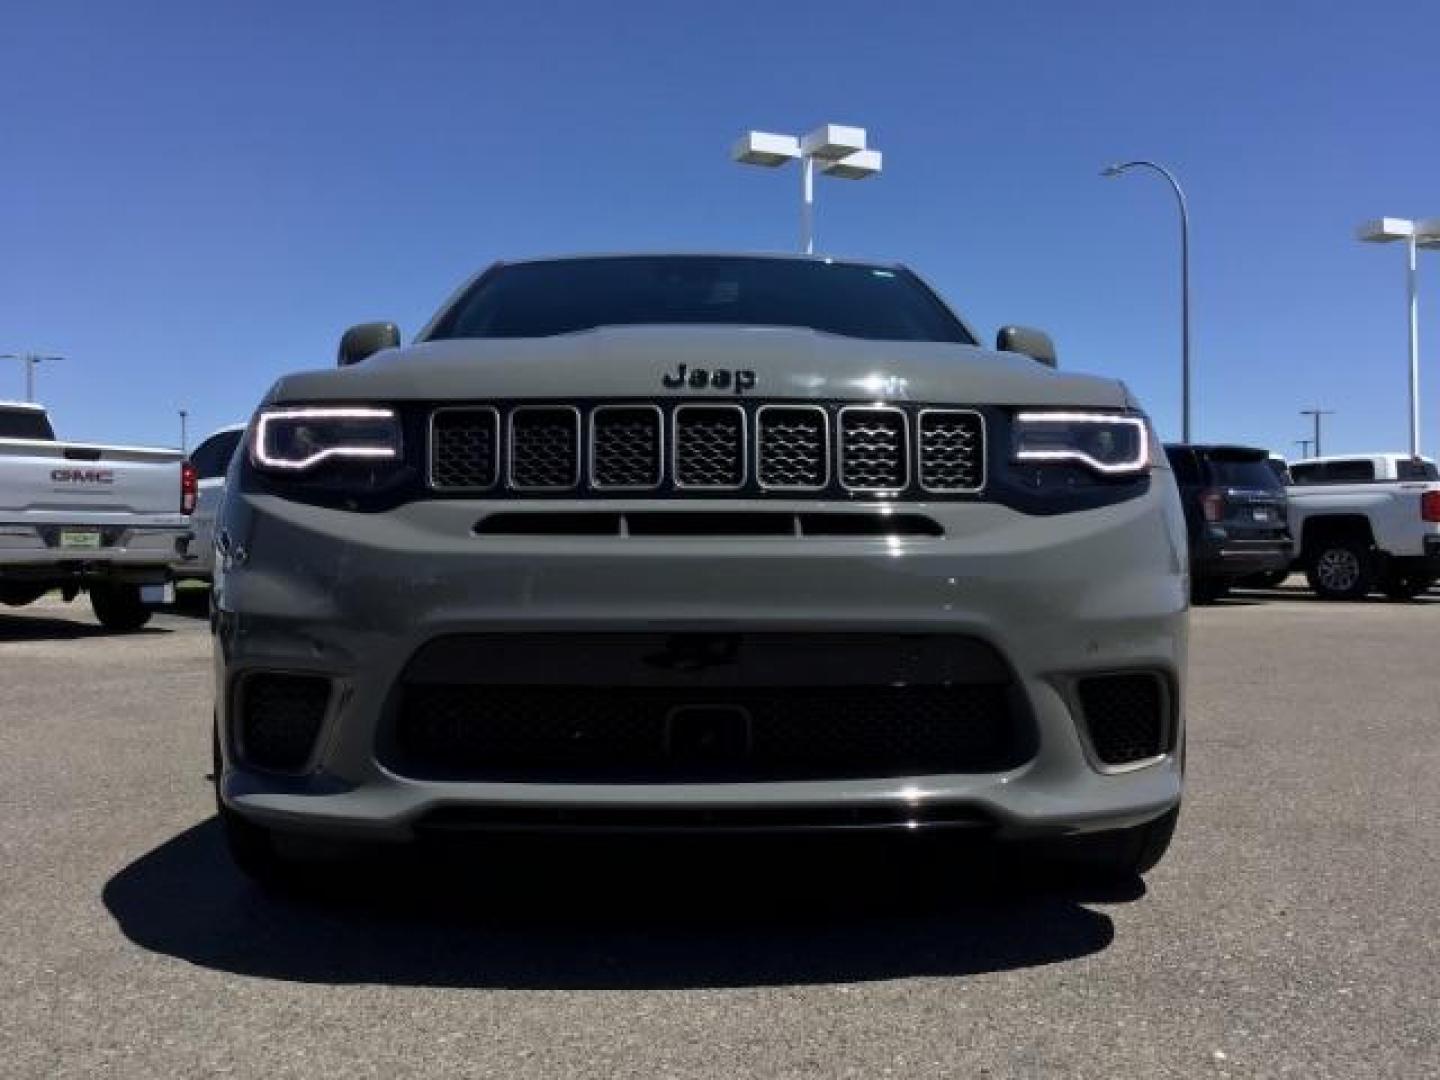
(25, 424)
(542, 299)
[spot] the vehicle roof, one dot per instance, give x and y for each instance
(23, 406)
(1228, 448)
(1384, 456)
(222, 430)
(779, 256)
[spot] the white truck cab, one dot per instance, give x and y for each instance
(1367, 521)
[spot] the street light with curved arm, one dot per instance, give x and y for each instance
(1116, 170)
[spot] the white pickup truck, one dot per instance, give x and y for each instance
(1366, 522)
(73, 516)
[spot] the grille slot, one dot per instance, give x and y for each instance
(544, 448)
(710, 446)
(952, 450)
(792, 447)
(625, 447)
(874, 448)
(464, 448)
(1125, 716)
(657, 734)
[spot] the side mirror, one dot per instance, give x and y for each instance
(1035, 344)
(365, 340)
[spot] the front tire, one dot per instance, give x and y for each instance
(1342, 570)
(118, 607)
(252, 847)
(1116, 856)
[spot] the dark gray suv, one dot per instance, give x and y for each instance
(700, 543)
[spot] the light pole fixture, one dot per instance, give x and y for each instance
(837, 149)
(1116, 170)
(29, 359)
(1317, 414)
(1304, 445)
(1416, 234)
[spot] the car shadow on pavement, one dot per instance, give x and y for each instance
(44, 628)
(609, 916)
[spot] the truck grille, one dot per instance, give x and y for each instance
(665, 734)
(698, 449)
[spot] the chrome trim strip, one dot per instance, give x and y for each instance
(904, 450)
(920, 451)
(510, 449)
(826, 454)
(430, 449)
(742, 445)
(639, 406)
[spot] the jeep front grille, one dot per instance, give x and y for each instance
(710, 449)
(710, 446)
(544, 448)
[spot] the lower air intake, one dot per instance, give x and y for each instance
(280, 719)
(1126, 716)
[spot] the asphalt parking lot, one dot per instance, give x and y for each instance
(1293, 931)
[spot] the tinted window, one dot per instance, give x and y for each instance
(25, 424)
(1411, 469)
(1307, 474)
(1241, 469)
(542, 299)
(1340, 472)
(1182, 460)
(212, 457)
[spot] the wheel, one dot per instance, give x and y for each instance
(1342, 569)
(118, 607)
(1402, 586)
(252, 847)
(1208, 590)
(1118, 855)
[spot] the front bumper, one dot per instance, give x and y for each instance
(355, 597)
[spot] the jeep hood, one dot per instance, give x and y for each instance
(630, 361)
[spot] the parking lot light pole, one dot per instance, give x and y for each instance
(29, 359)
(183, 446)
(1116, 170)
(1317, 414)
(1416, 234)
(1304, 445)
(837, 149)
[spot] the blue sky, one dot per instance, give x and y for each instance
(196, 198)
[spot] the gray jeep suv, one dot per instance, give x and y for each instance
(700, 543)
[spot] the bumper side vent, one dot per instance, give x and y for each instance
(280, 719)
(1126, 717)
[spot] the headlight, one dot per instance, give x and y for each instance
(296, 439)
(1108, 443)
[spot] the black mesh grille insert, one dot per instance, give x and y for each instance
(663, 734)
(793, 447)
(952, 450)
(545, 447)
(873, 449)
(464, 448)
(709, 446)
(626, 447)
(1125, 715)
(280, 718)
